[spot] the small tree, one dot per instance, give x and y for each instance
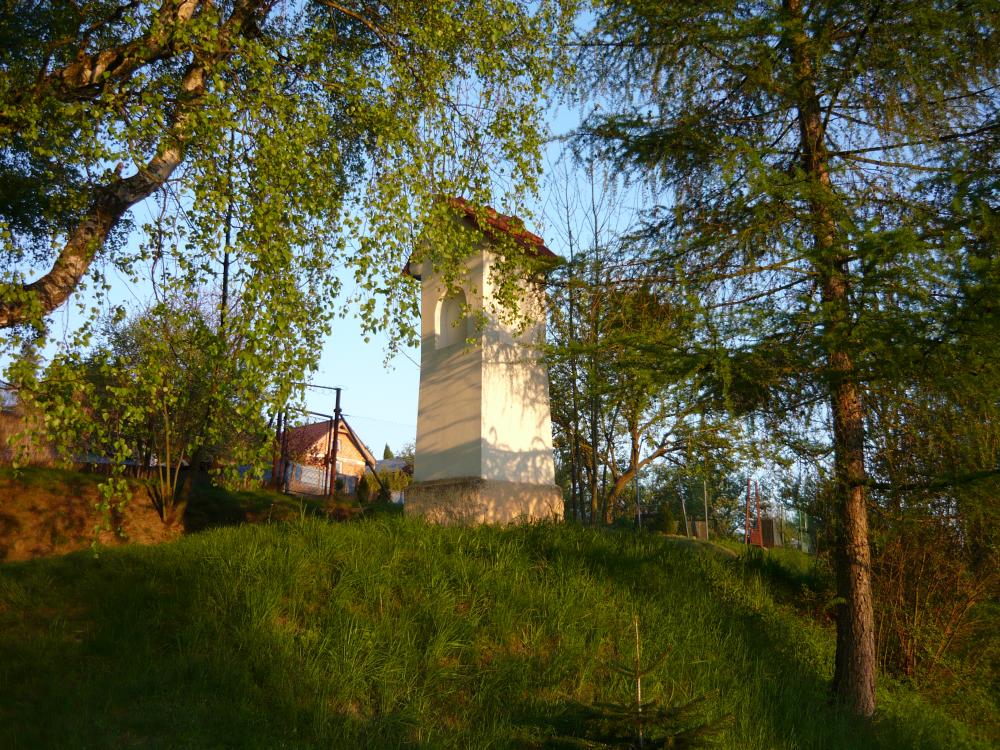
(638, 724)
(364, 489)
(160, 392)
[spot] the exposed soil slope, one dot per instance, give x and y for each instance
(52, 512)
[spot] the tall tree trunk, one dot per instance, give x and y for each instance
(576, 501)
(631, 471)
(593, 378)
(854, 673)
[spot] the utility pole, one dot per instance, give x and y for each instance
(638, 508)
(333, 445)
(276, 463)
(284, 452)
(704, 492)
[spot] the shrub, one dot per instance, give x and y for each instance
(364, 490)
(663, 521)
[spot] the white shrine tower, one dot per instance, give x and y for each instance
(484, 429)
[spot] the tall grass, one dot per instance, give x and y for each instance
(391, 633)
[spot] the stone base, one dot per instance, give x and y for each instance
(472, 500)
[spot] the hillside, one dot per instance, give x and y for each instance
(390, 633)
(45, 511)
(53, 511)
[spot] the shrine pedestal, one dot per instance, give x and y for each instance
(473, 500)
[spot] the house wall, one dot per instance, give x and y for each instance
(308, 469)
(350, 459)
(21, 440)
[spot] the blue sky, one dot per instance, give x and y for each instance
(379, 401)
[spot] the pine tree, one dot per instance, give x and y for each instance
(793, 140)
(638, 724)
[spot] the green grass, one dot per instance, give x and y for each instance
(211, 506)
(391, 633)
(53, 479)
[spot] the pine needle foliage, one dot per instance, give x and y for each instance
(821, 170)
(638, 724)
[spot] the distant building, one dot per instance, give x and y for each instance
(22, 432)
(404, 465)
(308, 451)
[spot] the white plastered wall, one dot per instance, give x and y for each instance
(516, 421)
(449, 413)
(484, 408)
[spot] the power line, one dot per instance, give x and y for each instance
(378, 419)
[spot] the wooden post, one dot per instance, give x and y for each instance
(333, 445)
(327, 485)
(757, 524)
(704, 492)
(687, 528)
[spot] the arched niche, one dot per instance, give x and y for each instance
(450, 324)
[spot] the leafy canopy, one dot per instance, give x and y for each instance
(263, 162)
(308, 139)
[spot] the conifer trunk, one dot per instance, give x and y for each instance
(854, 672)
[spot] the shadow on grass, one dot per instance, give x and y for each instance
(268, 637)
(211, 507)
(131, 650)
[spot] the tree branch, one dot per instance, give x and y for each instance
(88, 74)
(28, 302)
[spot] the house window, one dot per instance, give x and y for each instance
(450, 322)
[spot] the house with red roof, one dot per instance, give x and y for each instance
(307, 449)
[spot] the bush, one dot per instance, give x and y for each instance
(371, 489)
(384, 494)
(663, 521)
(364, 490)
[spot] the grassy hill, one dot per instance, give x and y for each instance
(391, 633)
(47, 511)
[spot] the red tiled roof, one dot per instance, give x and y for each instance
(496, 221)
(302, 439)
(510, 225)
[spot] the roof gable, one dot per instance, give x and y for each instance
(303, 439)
